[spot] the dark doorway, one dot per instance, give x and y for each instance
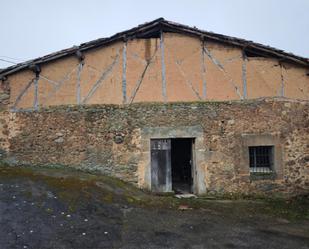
(181, 162)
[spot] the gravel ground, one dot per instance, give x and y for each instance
(45, 208)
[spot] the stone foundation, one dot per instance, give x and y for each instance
(109, 138)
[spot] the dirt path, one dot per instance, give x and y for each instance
(65, 209)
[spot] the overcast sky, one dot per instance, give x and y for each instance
(33, 28)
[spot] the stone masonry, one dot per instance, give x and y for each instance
(107, 138)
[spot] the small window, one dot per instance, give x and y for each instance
(261, 159)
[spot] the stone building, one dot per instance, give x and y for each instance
(167, 107)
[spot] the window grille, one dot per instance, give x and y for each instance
(261, 159)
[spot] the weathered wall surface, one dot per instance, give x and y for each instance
(143, 71)
(183, 68)
(4, 117)
(175, 68)
(84, 137)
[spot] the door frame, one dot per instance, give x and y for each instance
(144, 164)
(168, 168)
(193, 167)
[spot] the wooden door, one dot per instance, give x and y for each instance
(161, 177)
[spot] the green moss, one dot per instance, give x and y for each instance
(292, 209)
(75, 188)
(109, 107)
(49, 210)
(28, 194)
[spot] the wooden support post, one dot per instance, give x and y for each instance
(282, 81)
(80, 56)
(58, 84)
(124, 73)
(21, 94)
(138, 83)
(203, 70)
(188, 82)
(163, 67)
(36, 93)
(78, 92)
(244, 74)
(37, 70)
(220, 66)
(140, 80)
(101, 79)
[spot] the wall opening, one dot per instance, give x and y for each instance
(171, 165)
(155, 165)
(261, 158)
(181, 164)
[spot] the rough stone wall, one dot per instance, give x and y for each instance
(133, 71)
(4, 116)
(84, 137)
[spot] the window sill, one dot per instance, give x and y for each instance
(264, 175)
(261, 170)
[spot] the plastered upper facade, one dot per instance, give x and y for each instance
(169, 67)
